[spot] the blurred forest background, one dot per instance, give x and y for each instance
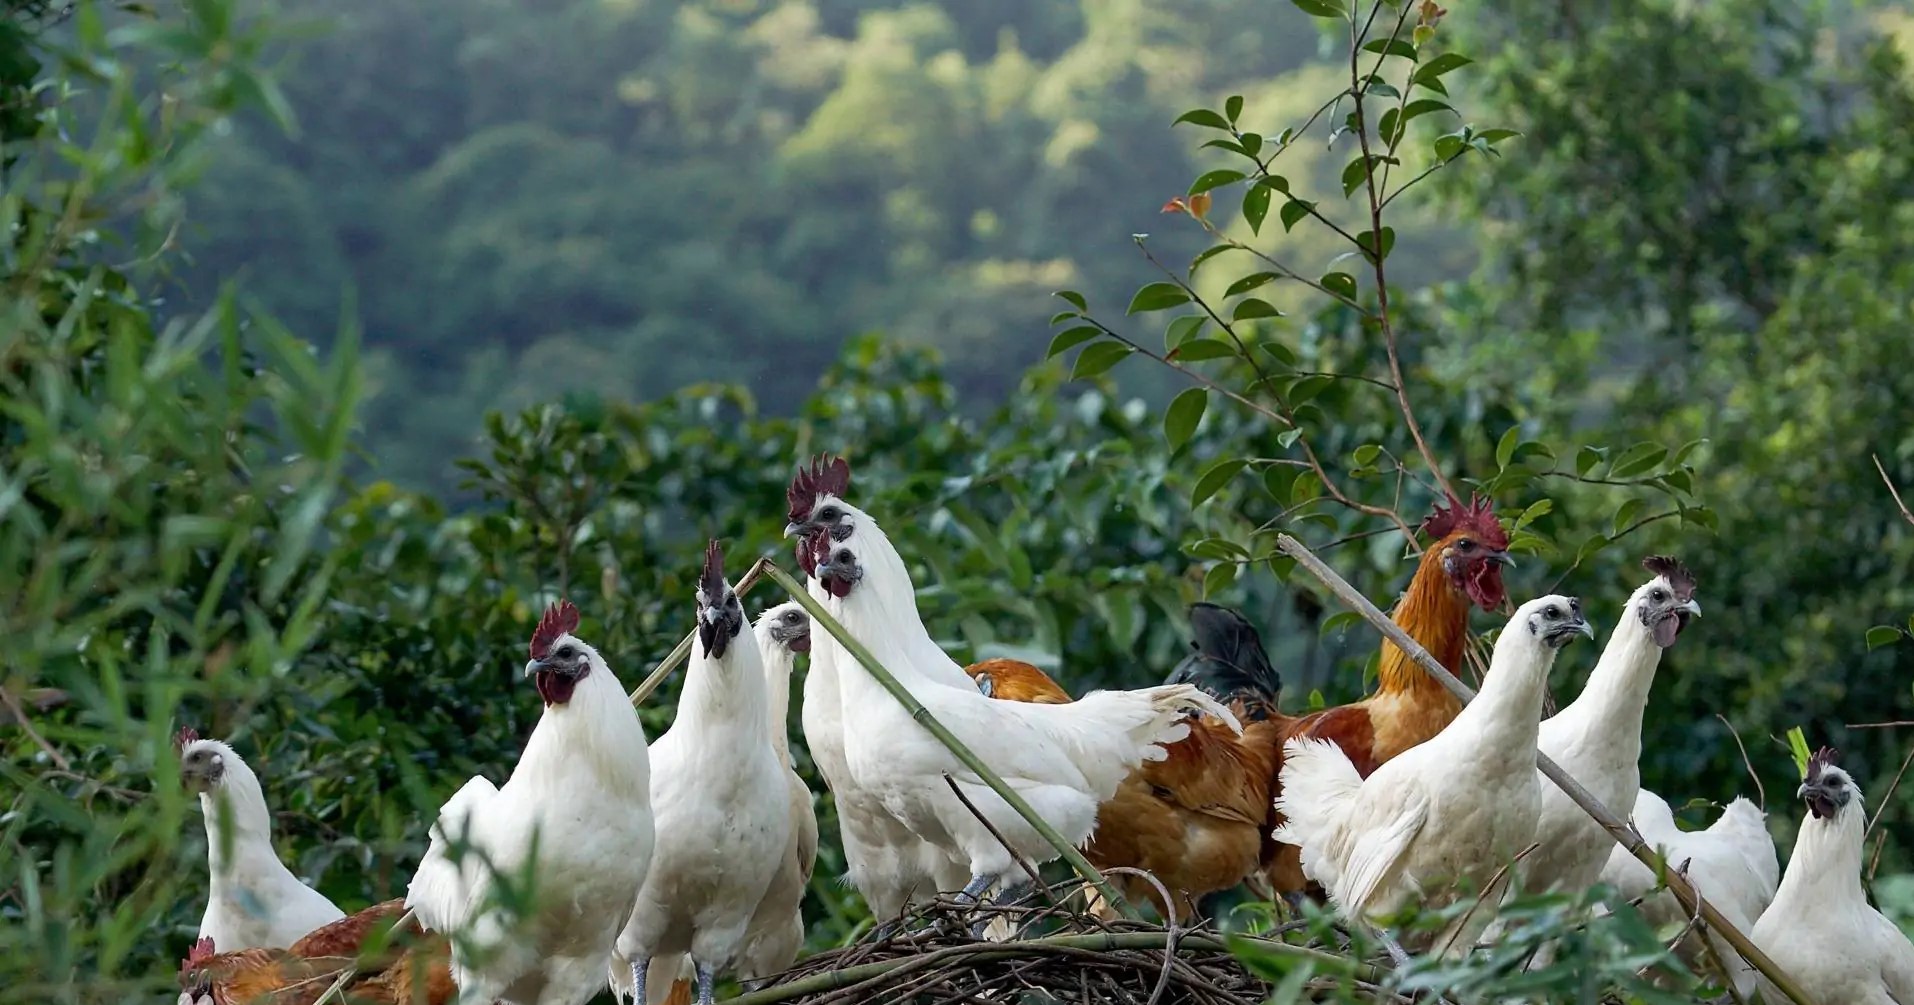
(390, 322)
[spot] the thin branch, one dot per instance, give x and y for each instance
(682, 650)
(1895, 724)
(1385, 385)
(1259, 409)
(1881, 805)
(1760, 790)
(1612, 538)
(26, 726)
(1286, 271)
(1896, 493)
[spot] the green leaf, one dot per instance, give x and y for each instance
(1320, 8)
(1626, 516)
(1293, 211)
(1505, 447)
(1427, 73)
(1213, 480)
(1354, 174)
(1070, 338)
(1386, 128)
(1882, 635)
(1098, 358)
(1640, 458)
(1391, 46)
(1367, 242)
(1233, 107)
(1182, 330)
(1281, 353)
(1156, 297)
(1341, 621)
(1219, 578)
(1208, 253)
(1256, 207)
(1062, 316)
(1686, 449)
(1798, 746)
(1197, 350)
(1340, 283)
(1252, 144)
(1202, 117)
(1214, 179)
(1076, 299)
(1216, 549)
(1536, 511)
(1366, 454)
(1288, 437)
(1423, 106)
(1180, 421)
(1590, 548)
(1586, 459)
(1248, 283)
(1494, 136)
(1681, 480)
(1252, 308)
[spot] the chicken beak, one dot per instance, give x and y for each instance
(792, 528)
(535, 666)
(1692, 608)
(1585, 628)
(1501, 558)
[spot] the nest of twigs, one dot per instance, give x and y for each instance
(1044, 949)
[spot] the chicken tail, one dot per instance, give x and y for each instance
(1319, 781)
(1227, 660)
(438, 891)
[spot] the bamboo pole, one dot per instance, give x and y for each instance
(1691, 901)
(676, 658)
(923, 717)
(1099, 942)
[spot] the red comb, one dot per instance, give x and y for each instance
(186, 735)
(1822, 760)
(1477, 515)
(826, 474)
(200, 953)
(560, 619)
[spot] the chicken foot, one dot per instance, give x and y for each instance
(639, 966)
(707, 982)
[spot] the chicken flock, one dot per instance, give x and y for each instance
(655, 868)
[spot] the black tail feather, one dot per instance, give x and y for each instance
(1228, 661)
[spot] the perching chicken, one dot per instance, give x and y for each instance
(722, 803)
(1462, 566)
(1597, 739)
(776, 932)
(580, 797)
(1820, 929)
(1454, 810)
(890, 866)
(392, 966)
(1732, 864)
(1197, 819)
(1062, 759)
(253, 899)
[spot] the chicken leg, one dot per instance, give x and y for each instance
(707, 980)
(639, 966)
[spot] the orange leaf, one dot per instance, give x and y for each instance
(1200, 205)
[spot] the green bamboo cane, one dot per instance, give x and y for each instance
(1617, 828)
(923, 717)
(676, 658)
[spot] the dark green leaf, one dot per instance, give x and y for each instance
(1219, 578)
(1098, 358)
(1686, 449)
(1366, 454)
(1626, 516)
(1208, 253)
(1252, 143)
(1294, 210)
(1197, 350)
(1391, 46)
(1185, 411)
(1448, 147)
(1586, 459)
(1320, 8)
(1354, 174)
(1213, 480)
(1640, 458)
(1203, 117)
(1505, 447)
(1367, 240)
(1075, 298)
(1233, 107)
(1231, 145)
(1071, 338)
(1445, 63)
(1882, 635)
(1156, 297)
(1340, 283)
(1306, 388)
(1062, 316)
(1248, 283)
(1536, 511)
(1182, 330)
(1494, 136)
(1279, 352)
(1256, 207)
(1252, 308)
(1214, 179)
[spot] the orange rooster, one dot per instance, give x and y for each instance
(414, 969)
(1196, 819)
(1462, 566)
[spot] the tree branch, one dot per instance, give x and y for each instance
(1891, 490)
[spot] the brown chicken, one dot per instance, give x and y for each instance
(1462, 566)
(413, 968)
(1196, 819)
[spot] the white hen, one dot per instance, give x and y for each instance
(1062, 759)
(722, 806)
(1453, 810)
(776, 932)
(578, 799)
(1597, 739)
(887, 864)
(1732, 863)
(1820, 929)
(253, 900)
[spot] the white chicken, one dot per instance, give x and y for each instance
(574, 816)
(888, 865)
(1732, 864)
(253, 900)
(776, 932)
(1062, 759)
(722, 805)
(1597, 739)
(1820, 929)
(1453, 810)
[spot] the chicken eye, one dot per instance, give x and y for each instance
(1465, 544)
(829, 514)
(1552, 613)
(567, 652)
(1658, 596)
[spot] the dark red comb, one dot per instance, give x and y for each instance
(1476, 516)
(186, 735)
(1822, 760)
(1671, 569)
(711, 584)
(826, 474)
(560, 619)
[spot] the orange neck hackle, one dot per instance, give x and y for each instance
(1434, 612)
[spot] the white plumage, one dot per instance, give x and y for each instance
(1062, 759)
(579, 799)
(253, 900)
(776, 932)
(1732, 864)
(722, 805)
(1597, 739)
(1453, 810)
(1820, 928)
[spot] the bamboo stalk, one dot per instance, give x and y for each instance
(1691, 901)
(923, 717)
(679, 653)
(1099, 942)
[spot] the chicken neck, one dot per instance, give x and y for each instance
(238, 825)
(724, 699)
(1505, 716)
(1826, 864)
(777, 688)
(1436, 615)
(1615, 698)
(597, 730)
